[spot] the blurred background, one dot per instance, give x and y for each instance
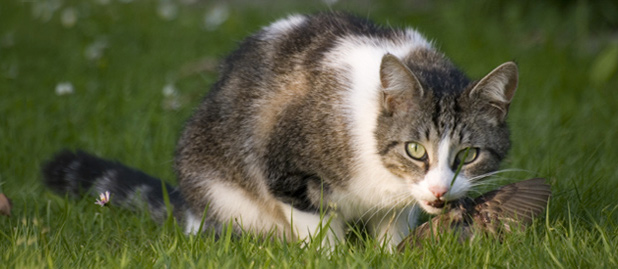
(119, 77)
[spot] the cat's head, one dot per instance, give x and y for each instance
(434, 121)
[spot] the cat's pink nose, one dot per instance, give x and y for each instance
(438, 191)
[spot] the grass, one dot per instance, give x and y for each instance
(563, 120)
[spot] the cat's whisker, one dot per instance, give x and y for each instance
(391, 218)
(368, 211)
(385, 215)
(493, 180)
(490, 183)
(410, 214)
(476, 178)
(377, 209)
(475, 192)
(372, 212)
(486, 185)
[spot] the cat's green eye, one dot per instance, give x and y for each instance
(467, 155)
(416, 151)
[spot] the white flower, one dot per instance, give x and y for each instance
(169, 90)
(216, 16)
(171, 99)
(44, 10)
(103, 2)
(95, 50)
(330, 2)
(7, 40)
(103, 199)
(64, 88)
(167, 10)
(68, 17)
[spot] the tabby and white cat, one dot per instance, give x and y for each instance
(321, 113)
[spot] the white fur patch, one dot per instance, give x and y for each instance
(232, 203)
(192, 224)
(373, 187)
(306, 225)
(103, 183)
(283, 26)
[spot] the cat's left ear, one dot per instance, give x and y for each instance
(498, 88)
(401, 89)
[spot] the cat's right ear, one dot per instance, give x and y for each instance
(497, 89)
(401, 89)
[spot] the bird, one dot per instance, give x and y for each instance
(511, 207)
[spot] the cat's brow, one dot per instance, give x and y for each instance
(388, 147)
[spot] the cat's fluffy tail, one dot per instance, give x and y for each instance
(79, 173)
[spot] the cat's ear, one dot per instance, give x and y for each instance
(498, 88)
(400, 87)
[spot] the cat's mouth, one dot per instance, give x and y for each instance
(437, 203)
(434, 207)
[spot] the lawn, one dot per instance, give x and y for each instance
(119, 78)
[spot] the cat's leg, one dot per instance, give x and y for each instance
(192, 222)
(393, 226)
(250, 211)
(259, 213)
(308, 226)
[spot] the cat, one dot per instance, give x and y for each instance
(318, 121)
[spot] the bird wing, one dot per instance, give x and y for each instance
(512, 205)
